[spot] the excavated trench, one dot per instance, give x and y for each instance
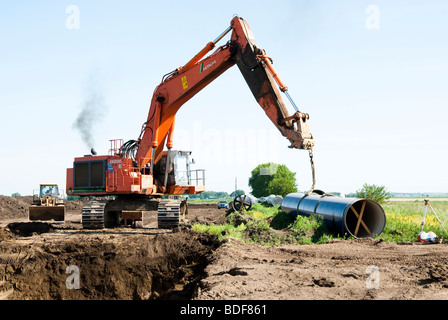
(37, 262)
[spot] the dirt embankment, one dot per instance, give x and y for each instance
(109, 267)
(14, 207)
(36, 258)
(43, 261)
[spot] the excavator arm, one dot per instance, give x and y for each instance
(183, 83)
(260, 75)
(140, 168)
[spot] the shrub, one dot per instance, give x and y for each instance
(373, 192)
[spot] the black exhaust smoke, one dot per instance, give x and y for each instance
(93, 110)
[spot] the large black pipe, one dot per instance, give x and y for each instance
(341, 215)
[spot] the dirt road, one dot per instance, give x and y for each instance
(63, 261)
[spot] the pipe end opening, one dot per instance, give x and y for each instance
(365, 218)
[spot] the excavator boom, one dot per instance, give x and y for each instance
(183, 83)
(138, 171)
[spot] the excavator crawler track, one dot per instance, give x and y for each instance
(93, 215)
(170, 212)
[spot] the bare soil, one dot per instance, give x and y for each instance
(37, 261)
(341, 270)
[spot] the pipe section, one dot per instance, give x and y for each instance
(360, 218)
(274, 200)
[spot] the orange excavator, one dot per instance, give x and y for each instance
(138, 173)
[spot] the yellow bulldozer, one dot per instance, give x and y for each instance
(47, 205)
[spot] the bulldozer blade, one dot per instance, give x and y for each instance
(47, 213)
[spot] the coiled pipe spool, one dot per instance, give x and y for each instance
(360, 218)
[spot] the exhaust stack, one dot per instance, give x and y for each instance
(360, 218)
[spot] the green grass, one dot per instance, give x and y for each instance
(221, 230)
(404, 218)
(311, 230)
(267, 225)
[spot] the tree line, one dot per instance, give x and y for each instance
(216, 195)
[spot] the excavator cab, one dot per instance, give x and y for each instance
(46, 204)
(179, 174)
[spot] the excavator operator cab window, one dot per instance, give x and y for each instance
(181, 168)
(49, 190)
(183, 174)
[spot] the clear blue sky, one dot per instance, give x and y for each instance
(371, 74)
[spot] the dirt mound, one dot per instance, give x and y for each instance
(133, 267)
(17, 207)
(5, 234)
(14, 207)
(73, 206)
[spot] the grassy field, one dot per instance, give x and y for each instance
(271, 226)
(404, 218)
